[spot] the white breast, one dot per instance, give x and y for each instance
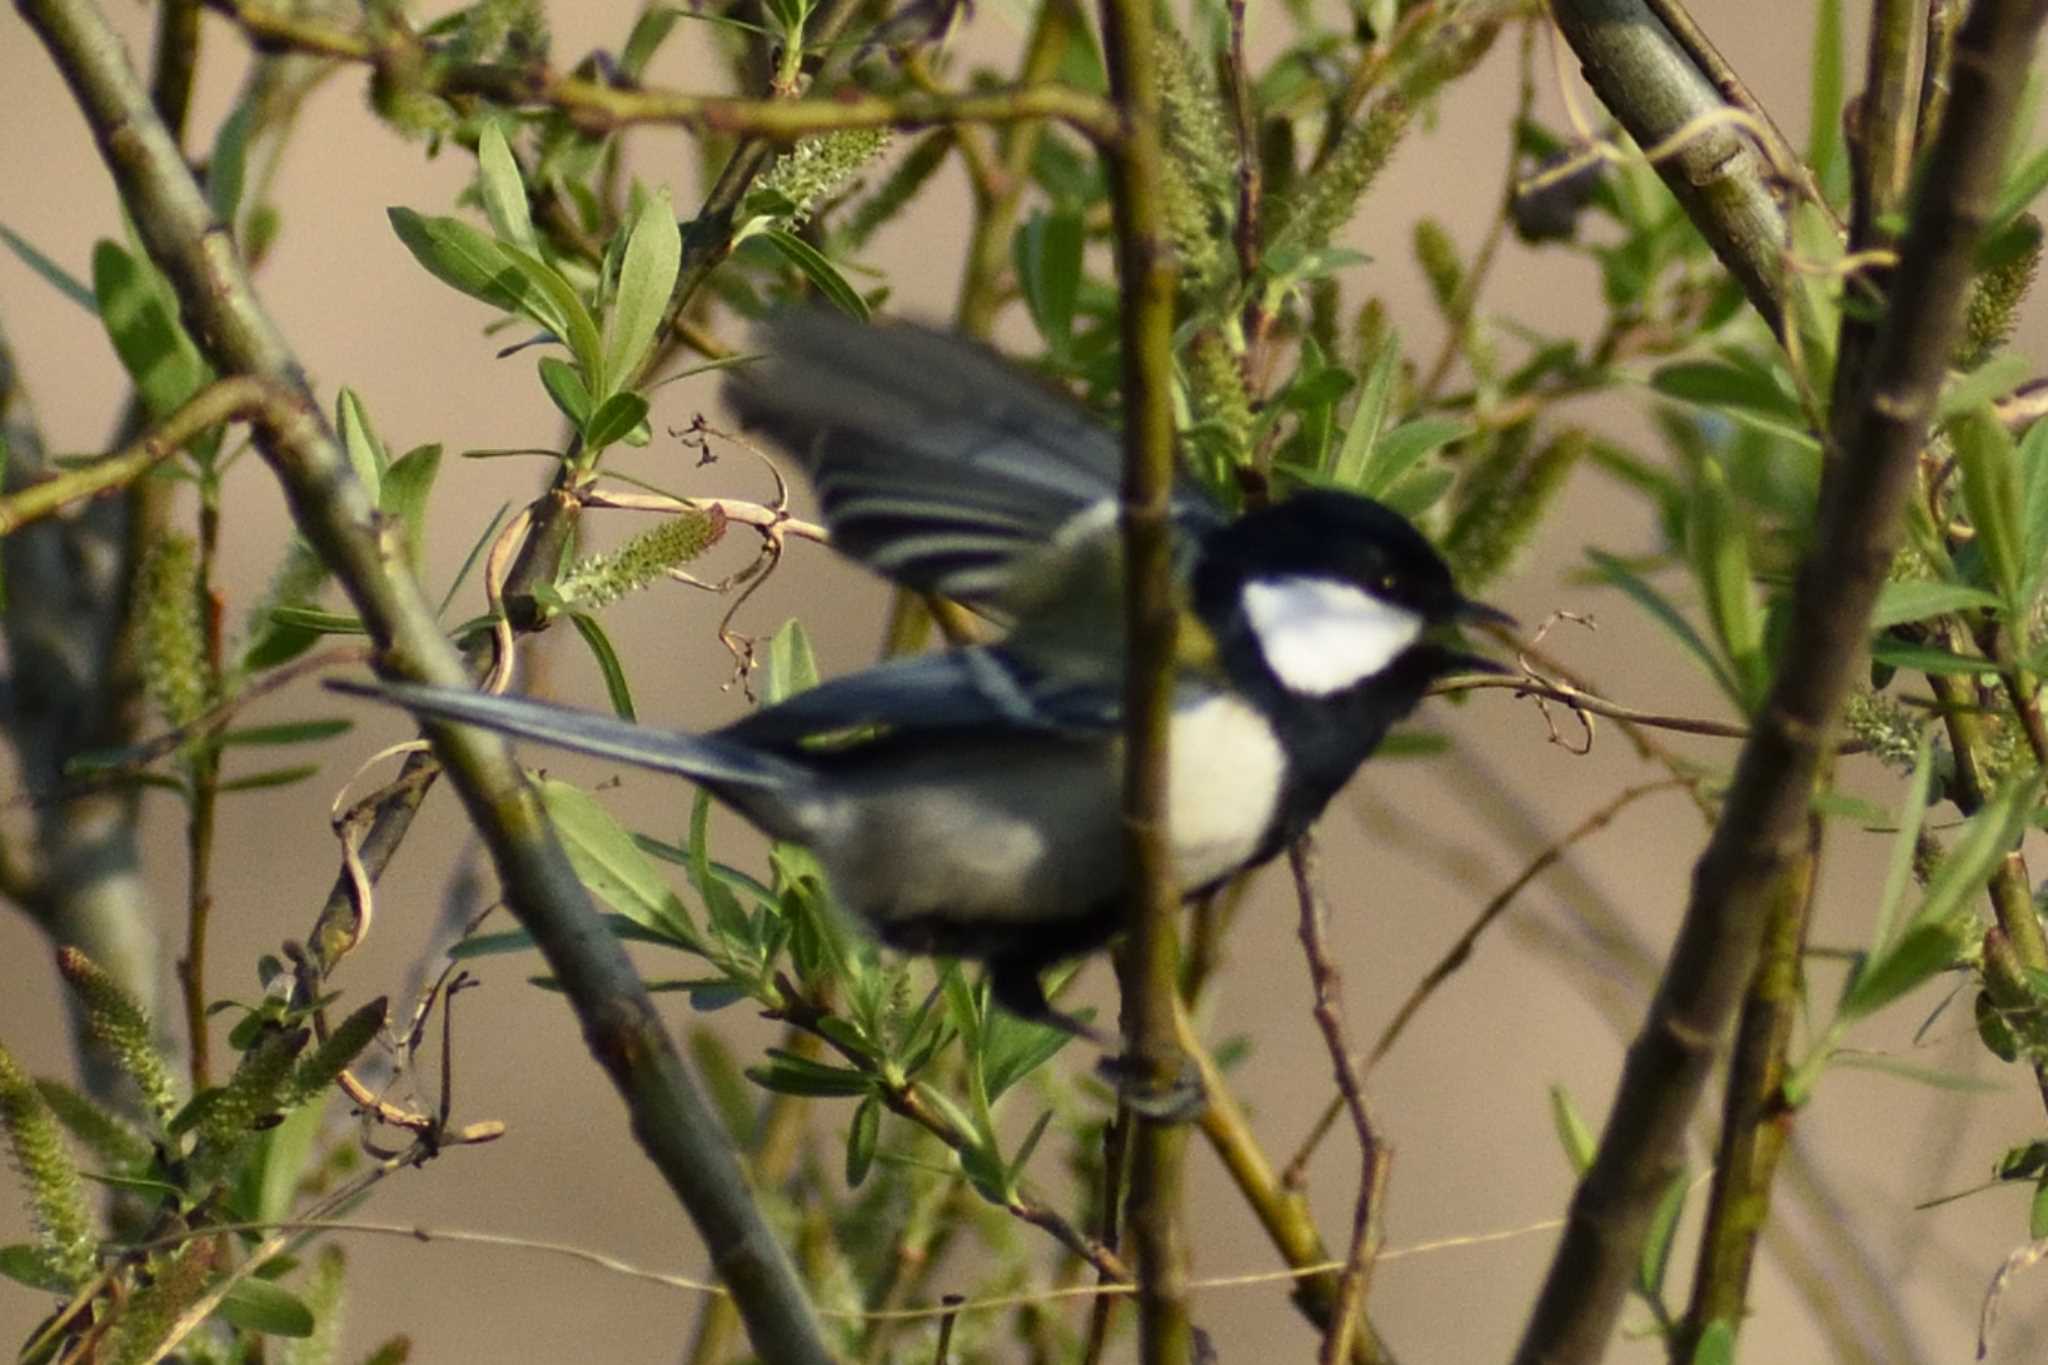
(1320, 635)
(1225, 781)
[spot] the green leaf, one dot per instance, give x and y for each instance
(461, 257)
(1716, 384)
(1621, 576)
(553, 302)
(788, 1074)
(1991, 491)
(792, 668)
(1899, 603)
(648, 276)
(318, 621)
(1906, 843)
(1718, 542)
(1826, 155)
(404, 497)
(650, 30)
(26, 1264)
(1354, 466)
(1048, 253)
(607, 663)
(366, 454)
(270, 777)
(1396, 451)
(226, 167)
(821, 272)
(1986, 838)
(613, 421)
(502, 191)
(2020, 191)
(287, 732)
(1926, 658)
(861, 1141)
(1934, 1076)
(2037, 1211)
(261, 1306)
(135, 308)
(54, 275)
(1661, 1236)
(1716, 1344)
(567, 388)
(612, 865)
(1572, 1133)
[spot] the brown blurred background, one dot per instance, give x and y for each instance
(1412, 850)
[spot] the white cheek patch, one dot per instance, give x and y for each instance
(1321, 636)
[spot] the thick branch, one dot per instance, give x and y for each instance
(678, 1130)
(1759, 847)
(1647, 79)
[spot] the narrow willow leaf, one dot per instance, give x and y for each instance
(261, 1306)
(227, 166)
(404, 498)
(862, 1140)
(502, 190)
(147, 336)
(54, 275)
(646, 278)
(1397, 451)
(462, 258)
(1899, 603)
(1921, 953)
(650, 30)
(1716, 1345)
(2033, 462)
(1827, 154)
(616, 419)
(1661, 1236)
(1572, 1133)
(567, 388)
(271, 777)
(1719, 545)
(318, 621)
(1048, 254)
(366, 455)
(2021, 189)
(1986, 838)
(792, 667)
(612, 865)
(1626, 579)
(818, 270)
(1354, 465)
(1991, 491)
(1926, 658)
(1716, 384)
(553, 302)
(607, 663)
(288, 732)
(1912, 815)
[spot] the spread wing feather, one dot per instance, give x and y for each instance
(938, 463)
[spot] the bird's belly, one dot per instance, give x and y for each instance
(1043, 843)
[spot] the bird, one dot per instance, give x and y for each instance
(966, 803)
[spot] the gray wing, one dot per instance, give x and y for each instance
(939, 464)
(979, 689)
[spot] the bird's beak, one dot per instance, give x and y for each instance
(1468, 614)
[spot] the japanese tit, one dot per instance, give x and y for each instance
(966, 803)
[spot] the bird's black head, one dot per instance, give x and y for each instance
(1330, 589)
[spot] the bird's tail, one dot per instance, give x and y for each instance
(736, 772)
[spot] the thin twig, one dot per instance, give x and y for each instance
(1373, 1154)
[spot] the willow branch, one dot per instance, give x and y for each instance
(1645, 76)
(601, 107)
(1151, 958)
(224, 400)
(1759, 849)
(334, 512)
